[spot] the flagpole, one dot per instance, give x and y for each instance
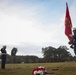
(66, 1)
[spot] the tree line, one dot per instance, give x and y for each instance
(60, 54)
(50, 54)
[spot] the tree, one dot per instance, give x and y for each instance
(13, 54)
(14, 51)
(62, 53)
(48, 53)
(52, 54)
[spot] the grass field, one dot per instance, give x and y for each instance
(66, 68)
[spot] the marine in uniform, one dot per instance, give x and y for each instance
(73, 41)
(3, 56)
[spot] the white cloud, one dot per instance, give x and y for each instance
(19, 23)
(73, 13)
(14, 27)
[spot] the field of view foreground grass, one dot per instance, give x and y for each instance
(63, 68)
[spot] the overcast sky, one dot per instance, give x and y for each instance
(31, 25)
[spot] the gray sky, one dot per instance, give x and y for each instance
(30, 25)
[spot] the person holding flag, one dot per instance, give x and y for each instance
(73, 40)
(68, 30)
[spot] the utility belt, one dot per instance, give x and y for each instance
(74, 43)
(3, 54)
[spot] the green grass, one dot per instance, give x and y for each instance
(66, 68)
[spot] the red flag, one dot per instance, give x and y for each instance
(68, 24)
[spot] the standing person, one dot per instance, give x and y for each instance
(73, 41)
(3, 51)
